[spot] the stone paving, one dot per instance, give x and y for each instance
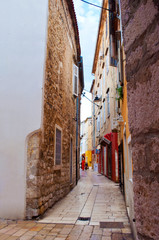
(95, 197)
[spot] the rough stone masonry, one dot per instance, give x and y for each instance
(140, 20)
(47, 182)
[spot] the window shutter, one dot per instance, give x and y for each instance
(58, 147)
(75, 80)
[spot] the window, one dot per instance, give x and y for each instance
(58, 144)
(108, 105)
(75, 80)
(104, 111)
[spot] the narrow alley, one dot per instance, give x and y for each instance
(93, 210)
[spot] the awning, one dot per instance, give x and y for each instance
(104, 141)
(108, 136)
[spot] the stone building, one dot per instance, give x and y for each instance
(104, 95)
(40, 106)
(140, 21)
(86, 140)
(111, 137)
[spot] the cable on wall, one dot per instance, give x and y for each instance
(92, 4)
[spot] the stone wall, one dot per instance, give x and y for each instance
(52, 182)
(140, 20)
(33, 179)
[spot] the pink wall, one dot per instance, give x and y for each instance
(140, 21)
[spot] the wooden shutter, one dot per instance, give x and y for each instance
(58, 147)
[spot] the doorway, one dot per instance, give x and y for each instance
(71, 165)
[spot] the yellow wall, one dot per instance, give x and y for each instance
(88, 158)
(125, 124)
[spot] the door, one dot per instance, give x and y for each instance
(71, 165)
(105, 161)
(102, 160)
(121, 168)
(109, 162)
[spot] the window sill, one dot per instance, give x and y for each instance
(57, 167)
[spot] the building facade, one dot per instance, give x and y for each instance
(111, 138)
(104, 95)
(41, 126)
(86, 141)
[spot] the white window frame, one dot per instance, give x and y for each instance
(60, 129)
(75, 74)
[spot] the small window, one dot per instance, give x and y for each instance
(75, 80)
(58, 144)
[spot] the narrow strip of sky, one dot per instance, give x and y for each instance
(88, 21)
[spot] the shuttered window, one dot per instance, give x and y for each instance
(58, 147)
(75, 80)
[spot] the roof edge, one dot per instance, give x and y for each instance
(71, 8)
(98, 38)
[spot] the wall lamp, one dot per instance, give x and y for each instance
(97, 99)
(83, 94)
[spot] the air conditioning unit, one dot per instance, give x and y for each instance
(114, 124)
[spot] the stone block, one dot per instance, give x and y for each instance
(143, 108)
(146, 206)
(135, 28)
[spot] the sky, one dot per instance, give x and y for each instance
(88, 21)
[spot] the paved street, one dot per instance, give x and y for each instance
(93, 210)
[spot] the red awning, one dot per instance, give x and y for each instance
(108, 136)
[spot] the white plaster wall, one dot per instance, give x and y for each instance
(22, 53)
